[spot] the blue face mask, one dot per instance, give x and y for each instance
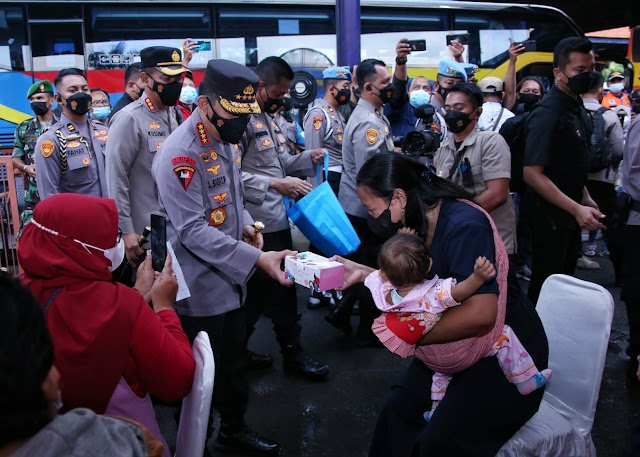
(419, 97)
(188, 95)
(617, 87)
(101, 112)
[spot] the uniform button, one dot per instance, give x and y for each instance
(236, 272)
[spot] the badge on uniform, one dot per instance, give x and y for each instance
(239, 159)
(317, 123)
(73, 144)
(86, 161)
(339, 137)
(183, 159)
(202, 133)
(101, 132)
(154, 125)
(372, 136)
(266, 142)
(204, 157)
(330, 108)
(213, 154)
(46, 148)
(150, 104)
(217, 217)
(185, 175)
(258, 124)
(220, 198)
(214, 169)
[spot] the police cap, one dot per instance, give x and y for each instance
(452, 69)
(164, 59)
(337, 73)
(235, 86)
(615, 75)
(40, 87)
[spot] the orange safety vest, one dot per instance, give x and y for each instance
(611, 101)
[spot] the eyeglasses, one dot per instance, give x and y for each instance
(100, 103)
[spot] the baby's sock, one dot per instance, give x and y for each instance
(534, 382)
(429, 414)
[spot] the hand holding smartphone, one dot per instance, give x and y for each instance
(158, 241)
(417, 45)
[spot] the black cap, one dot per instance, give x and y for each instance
(234, 84)
(164, 59)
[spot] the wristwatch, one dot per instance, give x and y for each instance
(401, 60)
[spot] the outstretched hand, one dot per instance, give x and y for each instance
(354, 273)
(484, 269)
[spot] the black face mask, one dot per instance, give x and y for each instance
(457, 121)
(342, 97)
(230, 130)
(271, 105)
(385, 93)
(580, 84)
(529, 99)
(138, 91)
(288, 104)
(635, 107)
(169, 93)
(79, 103)
(443, 92)
(382, 226)
(40, 108)
(357, 92)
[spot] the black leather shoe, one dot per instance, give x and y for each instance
(245, 440)
(259, 361)
(339, 320)
(317, 300)
(299, 363)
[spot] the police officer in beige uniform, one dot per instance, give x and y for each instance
(367, 133)
(267, 167)
(324, 124)
(69, 156)
(137, 132)
(197, 172)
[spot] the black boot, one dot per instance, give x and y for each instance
(258, 361)
(297, 362)
(244, 440)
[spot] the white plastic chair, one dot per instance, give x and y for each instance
(192, 431)
(577, 318)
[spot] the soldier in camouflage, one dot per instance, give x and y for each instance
(40, 96)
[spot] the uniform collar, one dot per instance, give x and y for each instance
(468, 141)
(369, 107)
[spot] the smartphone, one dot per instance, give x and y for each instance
(202, 45)
(158, 241)
(463, 38)
(529, 45)
(417, 45)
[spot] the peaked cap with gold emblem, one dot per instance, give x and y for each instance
(234, 85)
(164, 59)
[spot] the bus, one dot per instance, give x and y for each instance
(37, 39)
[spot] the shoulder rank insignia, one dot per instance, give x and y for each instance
(202, 133)
(317, 122)
(372, 136)
(239, 159)
(217, 217)
(101, 132)
(185, 175)
(46, 148)
(183, 159)
(150, 104)
(330, 108)
(71, 127)
(213, 169)
(386, 129)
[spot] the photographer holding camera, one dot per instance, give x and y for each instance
(426, 139)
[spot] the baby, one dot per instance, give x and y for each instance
(399, 287)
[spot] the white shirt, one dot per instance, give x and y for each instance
(491, 114)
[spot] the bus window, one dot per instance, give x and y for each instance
(492, 31)
(13, 43)
(115, 35)
(382, 28)
(56, 45)
(247, 34)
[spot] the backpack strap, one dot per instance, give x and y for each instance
(495, 126)
(329, 130)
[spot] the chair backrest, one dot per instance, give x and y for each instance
(577, 318)
(194, 418)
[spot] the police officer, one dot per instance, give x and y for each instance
(367, 133)
(197, 172)
(449, 73)
(267, 167)
(324, 124)
(137, 132)
(69, 156)
(40, 96)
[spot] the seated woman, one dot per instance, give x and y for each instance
(30, 395)
(481, 409)
(111, 347)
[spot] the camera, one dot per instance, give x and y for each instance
(424, 142)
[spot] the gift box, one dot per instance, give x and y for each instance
(314, 271)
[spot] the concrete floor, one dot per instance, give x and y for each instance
(336, 418)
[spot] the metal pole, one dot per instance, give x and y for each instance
(348, 32)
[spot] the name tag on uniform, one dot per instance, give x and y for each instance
(78, 158)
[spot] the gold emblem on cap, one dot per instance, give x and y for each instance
(41, 87)
(340, 73)
(451, 71)
(175, 56)
(248, 90)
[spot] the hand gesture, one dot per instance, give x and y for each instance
(407, 231)
(293, 187)
(145, 278)
(589, 218)
(515, 49)
(457, 49)
(188, 48)
(31, 170)
(403, 49)
(252, 236)
(132, 247)
(165, 288)
(317, 155)
(270, 262)
(484, 269)
(354, 273)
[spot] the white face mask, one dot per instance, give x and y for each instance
(188, 95)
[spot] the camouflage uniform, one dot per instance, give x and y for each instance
(26, 136)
